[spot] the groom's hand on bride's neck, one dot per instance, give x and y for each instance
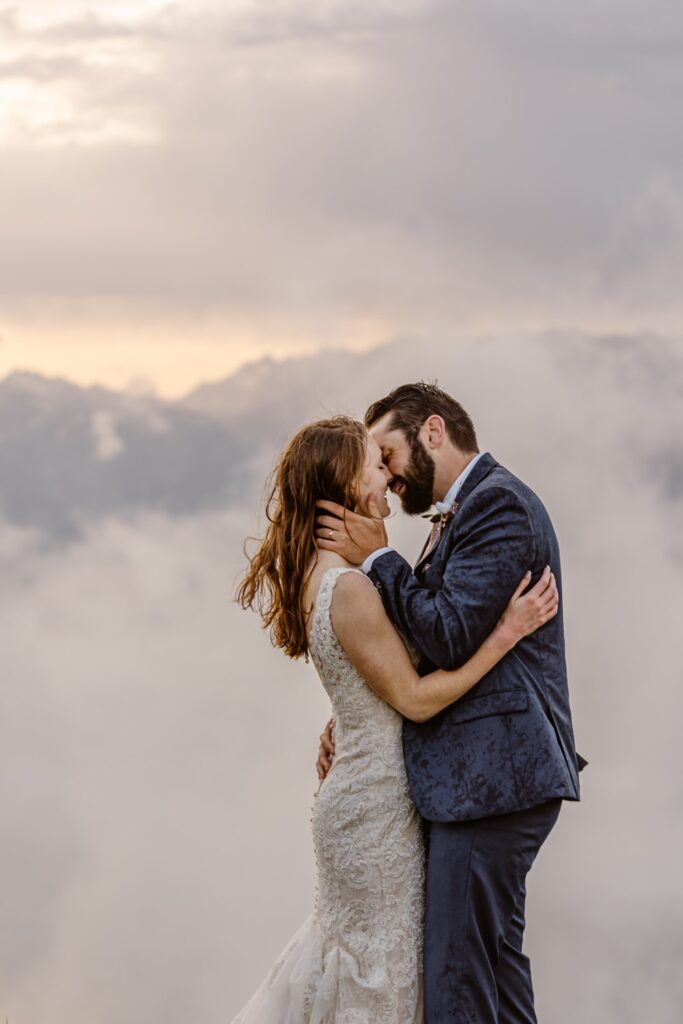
(349, 534)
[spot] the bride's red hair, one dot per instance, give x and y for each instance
(323, 460)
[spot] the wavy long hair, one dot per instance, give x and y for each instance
(323, 460)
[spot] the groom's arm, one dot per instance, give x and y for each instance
(495, 548)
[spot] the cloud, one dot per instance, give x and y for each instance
(158, 753)
(215, 444)
(72, 456)
(431, 165)
(108, 443)
(118, 831)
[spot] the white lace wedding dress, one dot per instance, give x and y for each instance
(357, 959)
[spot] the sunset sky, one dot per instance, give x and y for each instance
(188, 186)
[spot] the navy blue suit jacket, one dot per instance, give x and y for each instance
(508, 744)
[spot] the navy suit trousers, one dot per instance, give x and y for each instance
(475, 970)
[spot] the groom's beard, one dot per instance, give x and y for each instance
(418, 480)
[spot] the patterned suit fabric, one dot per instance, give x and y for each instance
(508, 744)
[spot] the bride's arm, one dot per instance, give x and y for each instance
(375, 648)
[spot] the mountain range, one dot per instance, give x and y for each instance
(72, 455)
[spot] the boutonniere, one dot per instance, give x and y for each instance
(442, 517)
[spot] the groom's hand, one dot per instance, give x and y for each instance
(350, 535)
(327, 751)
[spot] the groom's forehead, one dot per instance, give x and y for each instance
(388, 438)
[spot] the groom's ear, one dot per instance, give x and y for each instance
(434, 431)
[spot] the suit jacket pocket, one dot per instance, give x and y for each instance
(502, 702)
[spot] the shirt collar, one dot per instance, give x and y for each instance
(445, 505)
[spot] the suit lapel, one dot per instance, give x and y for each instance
(482, 469)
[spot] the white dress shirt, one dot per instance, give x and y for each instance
(440, 506)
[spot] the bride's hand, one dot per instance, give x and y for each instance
(528, 612)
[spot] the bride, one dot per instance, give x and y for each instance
(357, 959)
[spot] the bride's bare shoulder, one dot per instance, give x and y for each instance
(316, 570)
(355, 598)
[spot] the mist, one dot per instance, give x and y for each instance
(158, 754)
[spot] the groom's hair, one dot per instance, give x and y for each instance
(412, 404)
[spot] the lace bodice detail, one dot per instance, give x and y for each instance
(366, 728)
(367, 835)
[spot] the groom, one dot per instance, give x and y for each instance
(489, 773)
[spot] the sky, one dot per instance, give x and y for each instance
(188, 186)
(486, 194)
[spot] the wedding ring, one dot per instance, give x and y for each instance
(330, 533)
